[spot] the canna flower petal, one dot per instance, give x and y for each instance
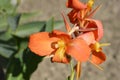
(88, 37)
(67, 26)
(61, 35)
(98, 33)
(75, 4)
(78, 49)
(98, 57)
(73, 16)
(41, 43)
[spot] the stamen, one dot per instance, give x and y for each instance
(88, 29)
(61, 49)
(75, 28)
(61, 43)
(105, 44)
(97, 46)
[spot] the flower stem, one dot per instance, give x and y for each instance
(72, 71)
(78, 70)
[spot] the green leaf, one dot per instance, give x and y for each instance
(6, 50)
(26, 16)
(7, 45)
(6, 6)
(13, 21)
(3, 24)
(26, 29)
(23, 63)
(31, 61)
(49, 25)
(14, 70)
(15, 67)
(5, 36)
(2, 76)
(58, 24)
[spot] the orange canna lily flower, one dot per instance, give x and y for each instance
(79, 16)
(60, 45)
(97, 56)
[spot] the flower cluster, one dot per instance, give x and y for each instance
(80, 42)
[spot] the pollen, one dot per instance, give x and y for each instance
(96, 47)
(61, 49)
(90, 3)
(61, 43)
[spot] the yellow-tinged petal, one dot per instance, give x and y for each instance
(90, 3)
(60, 56)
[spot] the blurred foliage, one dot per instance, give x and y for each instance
(15, 57)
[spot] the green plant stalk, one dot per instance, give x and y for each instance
(72, 71)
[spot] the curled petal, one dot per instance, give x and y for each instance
(98, 33)
(41, 43)
(78, 49)
(88, 37)
(98, 57)
(76, 4)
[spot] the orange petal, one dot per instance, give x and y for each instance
(58, 33)
(78, 49)
(41, 43)
(98, 57)
(73, 15)
(67, 26)
(76, 4)
(88, 37)
(98, 33)
(62, 35)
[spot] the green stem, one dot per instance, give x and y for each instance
(72, 71)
